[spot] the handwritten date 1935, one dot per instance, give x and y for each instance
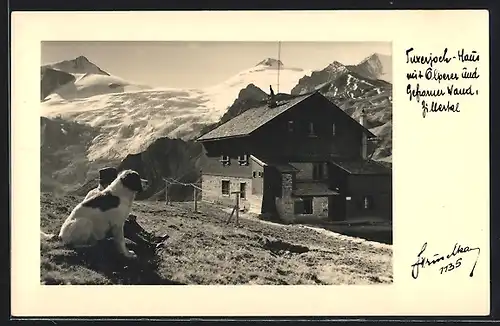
(423, 261)
(451, 266)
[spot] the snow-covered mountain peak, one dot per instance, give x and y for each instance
(336, 66)
(78, 65)
(375, 66)
(271, 62)
(82, 59)
(375, 57)
(80, 78)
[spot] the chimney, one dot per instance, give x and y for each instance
(364, 137)
(272, 100)
(362, 118)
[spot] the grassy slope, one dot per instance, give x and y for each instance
(202, 249)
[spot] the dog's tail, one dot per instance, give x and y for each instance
(48, 236)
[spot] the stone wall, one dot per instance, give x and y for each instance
(286, 204)
(320, 206)
(320, 211)
(212, 191)
(287, 184)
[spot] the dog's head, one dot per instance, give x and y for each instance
(107, 175)
(132, 181)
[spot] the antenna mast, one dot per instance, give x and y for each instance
(279, 64)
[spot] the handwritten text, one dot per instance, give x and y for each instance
(445, 87)
(450, 264)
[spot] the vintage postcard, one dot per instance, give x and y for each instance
(280, 168)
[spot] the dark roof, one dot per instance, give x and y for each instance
(252, 119)
(282, 167)
(361, 167)
(313, 189)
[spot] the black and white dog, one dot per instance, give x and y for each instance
(103, 212)
(106, 176)
(132, 229)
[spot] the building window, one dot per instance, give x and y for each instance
(298, 207)
(225, 187)
(317, 171)
(367, 202)
(243, 190)
(303, 206)
(311, 129)
(308, 205)
(256, 174)
(243, 159)
(333, 129)
(290, 126)
(225, 160)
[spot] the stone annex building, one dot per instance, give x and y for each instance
(304, 157)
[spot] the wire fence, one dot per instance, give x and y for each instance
(197, 195)
(172, 186)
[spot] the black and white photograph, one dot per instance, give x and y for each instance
(216, 163)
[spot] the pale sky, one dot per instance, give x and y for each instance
(202, 64)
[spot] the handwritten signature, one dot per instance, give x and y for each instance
(423, 261)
